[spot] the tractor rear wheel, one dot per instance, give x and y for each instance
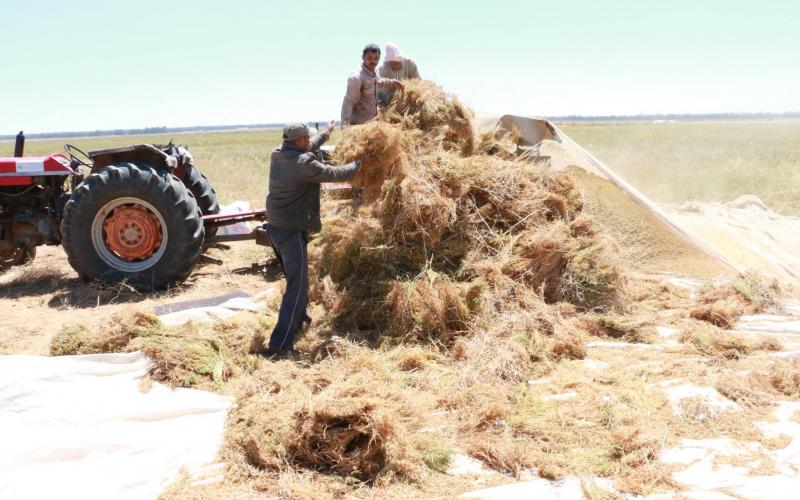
(196, 182)
(135, 224)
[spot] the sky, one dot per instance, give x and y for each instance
(99, 64)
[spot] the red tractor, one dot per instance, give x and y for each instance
(139, 214)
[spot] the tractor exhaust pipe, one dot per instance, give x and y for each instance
(19, 146)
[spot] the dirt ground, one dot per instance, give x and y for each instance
(40, 298)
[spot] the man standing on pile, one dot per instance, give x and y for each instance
(361, 100)
(292, 212)
(397, 67)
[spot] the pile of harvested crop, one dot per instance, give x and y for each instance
(435, 118)
(454, 238)
(347, 436)
(345, 414)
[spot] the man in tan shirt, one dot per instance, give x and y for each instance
(361, 100)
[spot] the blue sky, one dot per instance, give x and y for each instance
(87, 64)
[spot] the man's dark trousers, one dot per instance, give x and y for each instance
(290, 246)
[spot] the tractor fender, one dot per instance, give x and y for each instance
(139, 154)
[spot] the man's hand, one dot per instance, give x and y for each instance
(399, 85)
(331, 126)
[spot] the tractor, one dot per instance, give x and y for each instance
(139, 214)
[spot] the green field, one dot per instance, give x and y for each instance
(705, 161)
(670, 162)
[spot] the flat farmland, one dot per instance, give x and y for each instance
(701, 161)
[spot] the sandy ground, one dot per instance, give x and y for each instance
(40, 298)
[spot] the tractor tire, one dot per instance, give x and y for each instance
(16, 257)
(134, 224)
(196, 182)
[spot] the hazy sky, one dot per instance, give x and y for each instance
(91, 64)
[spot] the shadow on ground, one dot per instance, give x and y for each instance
(69, 291)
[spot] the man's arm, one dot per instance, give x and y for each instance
(389, 82)
(316, 171)
(351, 98)
(318, 140)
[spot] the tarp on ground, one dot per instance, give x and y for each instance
(82, 427)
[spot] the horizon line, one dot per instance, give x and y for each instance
(261, 126)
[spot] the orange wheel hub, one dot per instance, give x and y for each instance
(132, 232)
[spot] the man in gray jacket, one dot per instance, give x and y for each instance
(292, 212)
(360, 103)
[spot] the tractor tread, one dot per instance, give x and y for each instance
(176, 204)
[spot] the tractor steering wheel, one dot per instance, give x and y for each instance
(74, 153)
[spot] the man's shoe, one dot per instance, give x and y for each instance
(275, 354)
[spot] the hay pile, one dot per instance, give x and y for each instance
(347, 436)
(186, 356)
(345, 415)
(433, 117)
(446, 240)
(721, 304)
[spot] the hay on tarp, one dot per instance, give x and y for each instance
(113, 335)
(721, 304)
(347, 436)
(185, 356)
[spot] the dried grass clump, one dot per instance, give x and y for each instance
(424, 107)
(784, 376)
(486, 358)
(432, 306)
(712, 341)
(347, 436)
(634, 446)
(184, 361)
(345, 415)
(499, 142)
(413, 211)
(629, 327)
(721, 304)
(112, 335)
(751, 390)
(186, 356)
(379, 147)
(501, 452)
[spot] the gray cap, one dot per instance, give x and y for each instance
(294, 131)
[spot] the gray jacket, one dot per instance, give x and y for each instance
(294, 178)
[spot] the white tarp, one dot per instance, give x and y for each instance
(747, 232)
(80, 427)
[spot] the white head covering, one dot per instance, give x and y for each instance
(393, 53)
